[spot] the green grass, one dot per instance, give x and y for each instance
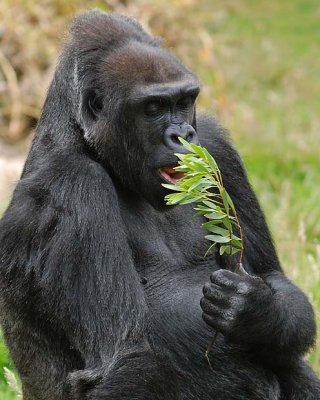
(260, 64)
(266, 75)
(6, 393)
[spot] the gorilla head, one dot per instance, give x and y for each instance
(133, 99)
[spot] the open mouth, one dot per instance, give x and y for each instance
(170, 174)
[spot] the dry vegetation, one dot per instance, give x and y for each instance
(30, 35)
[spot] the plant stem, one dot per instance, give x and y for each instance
(241, 238)
(211, 343)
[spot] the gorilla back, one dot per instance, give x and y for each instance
(104, 290)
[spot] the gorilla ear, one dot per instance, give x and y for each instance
(91, 105)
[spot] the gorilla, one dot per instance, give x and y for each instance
(105, 290)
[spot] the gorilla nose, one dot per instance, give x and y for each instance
(173, 132)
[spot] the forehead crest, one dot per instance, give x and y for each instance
(140, 63)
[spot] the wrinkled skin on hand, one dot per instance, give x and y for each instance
(228, 300)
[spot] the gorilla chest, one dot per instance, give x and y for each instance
(172, 267)
(168, 250)
(168, 244)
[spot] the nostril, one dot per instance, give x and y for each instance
(189, 137)
(174, 132)
(175, 138)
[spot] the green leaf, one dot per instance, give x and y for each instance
(230, 201)
(199, 150)
(234, 237)
(217, 229)
(189, 199)
(184, 156)
(223, 249)
(176, 198)
(226, 222)
(182, 168)
(211, 161)
(197, 166)
(225, 200)
(186, 144)
(210, 249)
(236, 243)
(209, 204)
(209, 216)
(172, 187)
(197, 184)
(203, 209)
(235, 250)
(216, 215)
(188, 182)
(217, 239)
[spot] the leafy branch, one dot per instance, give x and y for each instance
(202, 184)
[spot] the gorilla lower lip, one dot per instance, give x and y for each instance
(170, 174)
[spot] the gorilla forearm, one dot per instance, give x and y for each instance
(291, 327)
(282, 328)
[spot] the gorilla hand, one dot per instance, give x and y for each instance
(237, 305)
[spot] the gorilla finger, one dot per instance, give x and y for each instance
(225, 279)
(226, 314)
(215, 294)
(208, 307)
(215, 323)
(212, 309)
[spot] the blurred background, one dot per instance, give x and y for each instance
(259, 63)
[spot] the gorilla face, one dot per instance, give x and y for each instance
(162, 113)
(137, 115)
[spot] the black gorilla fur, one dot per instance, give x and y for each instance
(101, 282)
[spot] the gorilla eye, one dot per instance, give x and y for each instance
(95, 105)
(185, 102)
(153, 108)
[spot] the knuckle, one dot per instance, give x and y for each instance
(216, 276)
(206, 288)
(244, 288)
(208, 307)
(235, 301)
(223, 278)
(229, 315)
(238, 303)
(209, 320)
(218, 295)
(202, 301)
(206, 318)
(215, 295)
(205, 305)
(224, 327)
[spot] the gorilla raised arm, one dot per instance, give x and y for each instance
(100, 282)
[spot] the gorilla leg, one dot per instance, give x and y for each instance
(142, 374)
